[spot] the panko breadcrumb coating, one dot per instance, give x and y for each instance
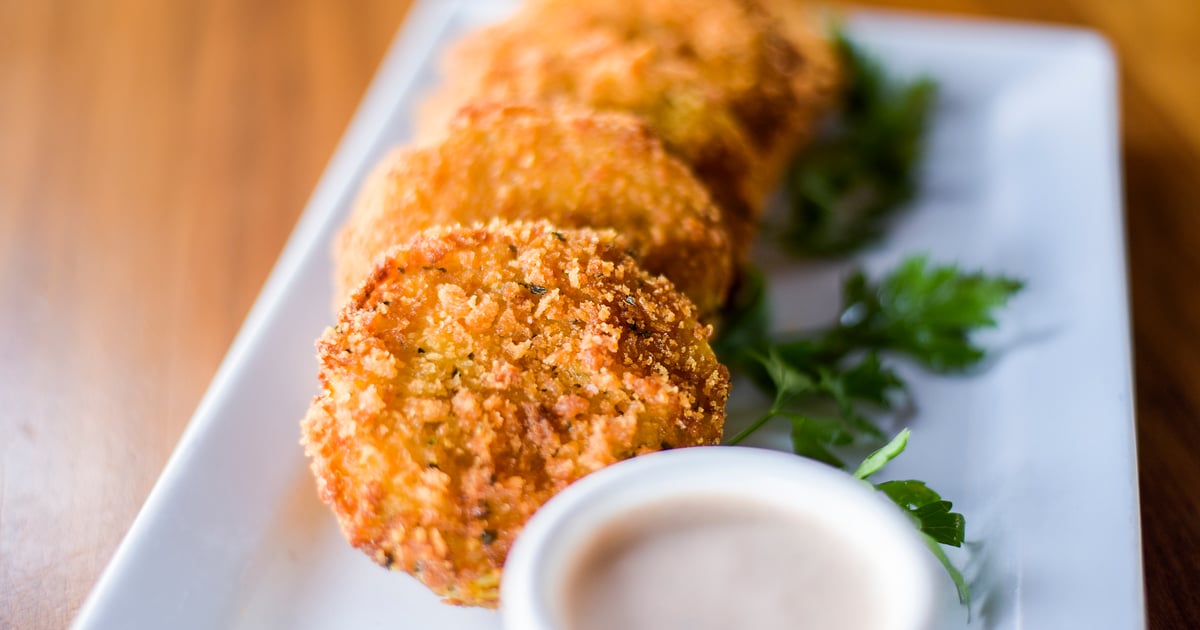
(571, 167)
(817, 84)
(482, 369)
(726, 88)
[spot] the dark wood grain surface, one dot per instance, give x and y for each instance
(155, 155)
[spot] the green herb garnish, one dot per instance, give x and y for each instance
(843, 188)
(745, 322)
(829, 383)
(926, 312)
(930, 513)
(874, 462)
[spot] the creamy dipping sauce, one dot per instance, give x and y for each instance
(717, 563)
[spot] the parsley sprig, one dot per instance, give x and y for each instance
(828, 384)
(843, 188)
(814, 435)
(929, 512)
(928, 313)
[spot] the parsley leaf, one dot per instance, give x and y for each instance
(843, 188)
(745, 322)
(792, 383)
(877, 460)
(938, 525)
(960, 582)
(926, 312)
(929, 509)
(812, 437)
(930, 513)
(869, 380)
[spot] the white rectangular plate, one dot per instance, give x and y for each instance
(1037, 449)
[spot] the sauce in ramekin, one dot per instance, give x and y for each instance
(716, 563)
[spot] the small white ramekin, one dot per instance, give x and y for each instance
(533, 588)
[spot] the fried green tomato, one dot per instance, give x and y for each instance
(718, 81)
(482, 369)
(571, 167)
(816, 85)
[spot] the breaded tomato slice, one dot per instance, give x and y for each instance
(480, 370)
(571, 167)
(730, 90)
(816, 85)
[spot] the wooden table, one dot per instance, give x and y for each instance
(155, 155)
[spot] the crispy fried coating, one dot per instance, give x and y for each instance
(720, 81)
(816, 84)
(572, 167)
(482, 369)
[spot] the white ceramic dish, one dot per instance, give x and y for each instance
(896, 581)
(1037, 450)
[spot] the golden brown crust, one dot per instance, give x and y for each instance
(816, 81)
(722, 82)
(482, 369)
(572, 167)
